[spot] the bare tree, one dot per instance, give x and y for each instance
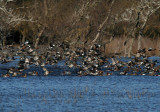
(11, 18)
(41, 23)
(104, 22)
(137, 16)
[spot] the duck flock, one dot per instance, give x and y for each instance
(59, 59)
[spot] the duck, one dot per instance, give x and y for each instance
(4, 60)
(124, 73)
(14, 74)
(133, 74)
(143, 74)
(152, 73)
(42, 64)
(36, 57)
(30, 50)
(107, 74)
(26, 42)
(13, 58)
(11, 70)
(26, 60)
(6, 75)
(66, 73)
(25, 75)
(151, 49)
(157, 75)
(34, 73)
(46, 72)
(80, 73)
(100, 72)
(113, 61)
(21, 68)
(70, 65)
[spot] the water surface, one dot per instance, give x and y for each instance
(80, 94)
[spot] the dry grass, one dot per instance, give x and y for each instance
(117, 46)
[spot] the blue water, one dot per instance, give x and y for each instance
(80, 94)
(58, 93)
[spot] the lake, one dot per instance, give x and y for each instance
(80, 94)
(59, 93)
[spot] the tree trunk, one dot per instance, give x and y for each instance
(103, 23)
(38, 37)
(104, 49)
(44, 26)
(139, 42)
(36, 43)
(111, 38)
(96, 36)
(125, 46)
(130, 47)
(125, 51)
(4, 42)
(23, 39)
(23, 36)
(49, 40)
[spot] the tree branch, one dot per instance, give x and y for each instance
(103, 23)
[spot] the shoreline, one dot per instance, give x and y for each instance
(81, 62)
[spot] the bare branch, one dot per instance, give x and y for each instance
(103, 23)
(12, 18)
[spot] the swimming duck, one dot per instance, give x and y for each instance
(36, 57)
(14, 74)
(66, 73)
(46, 72)
(11, 70)
(107, 74)
(27, 60)
(34, 73)
(4, 60)
(25, 75)
(6, 75)
(124, 73)
(113, 61)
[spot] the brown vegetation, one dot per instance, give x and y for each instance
(120, 24)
